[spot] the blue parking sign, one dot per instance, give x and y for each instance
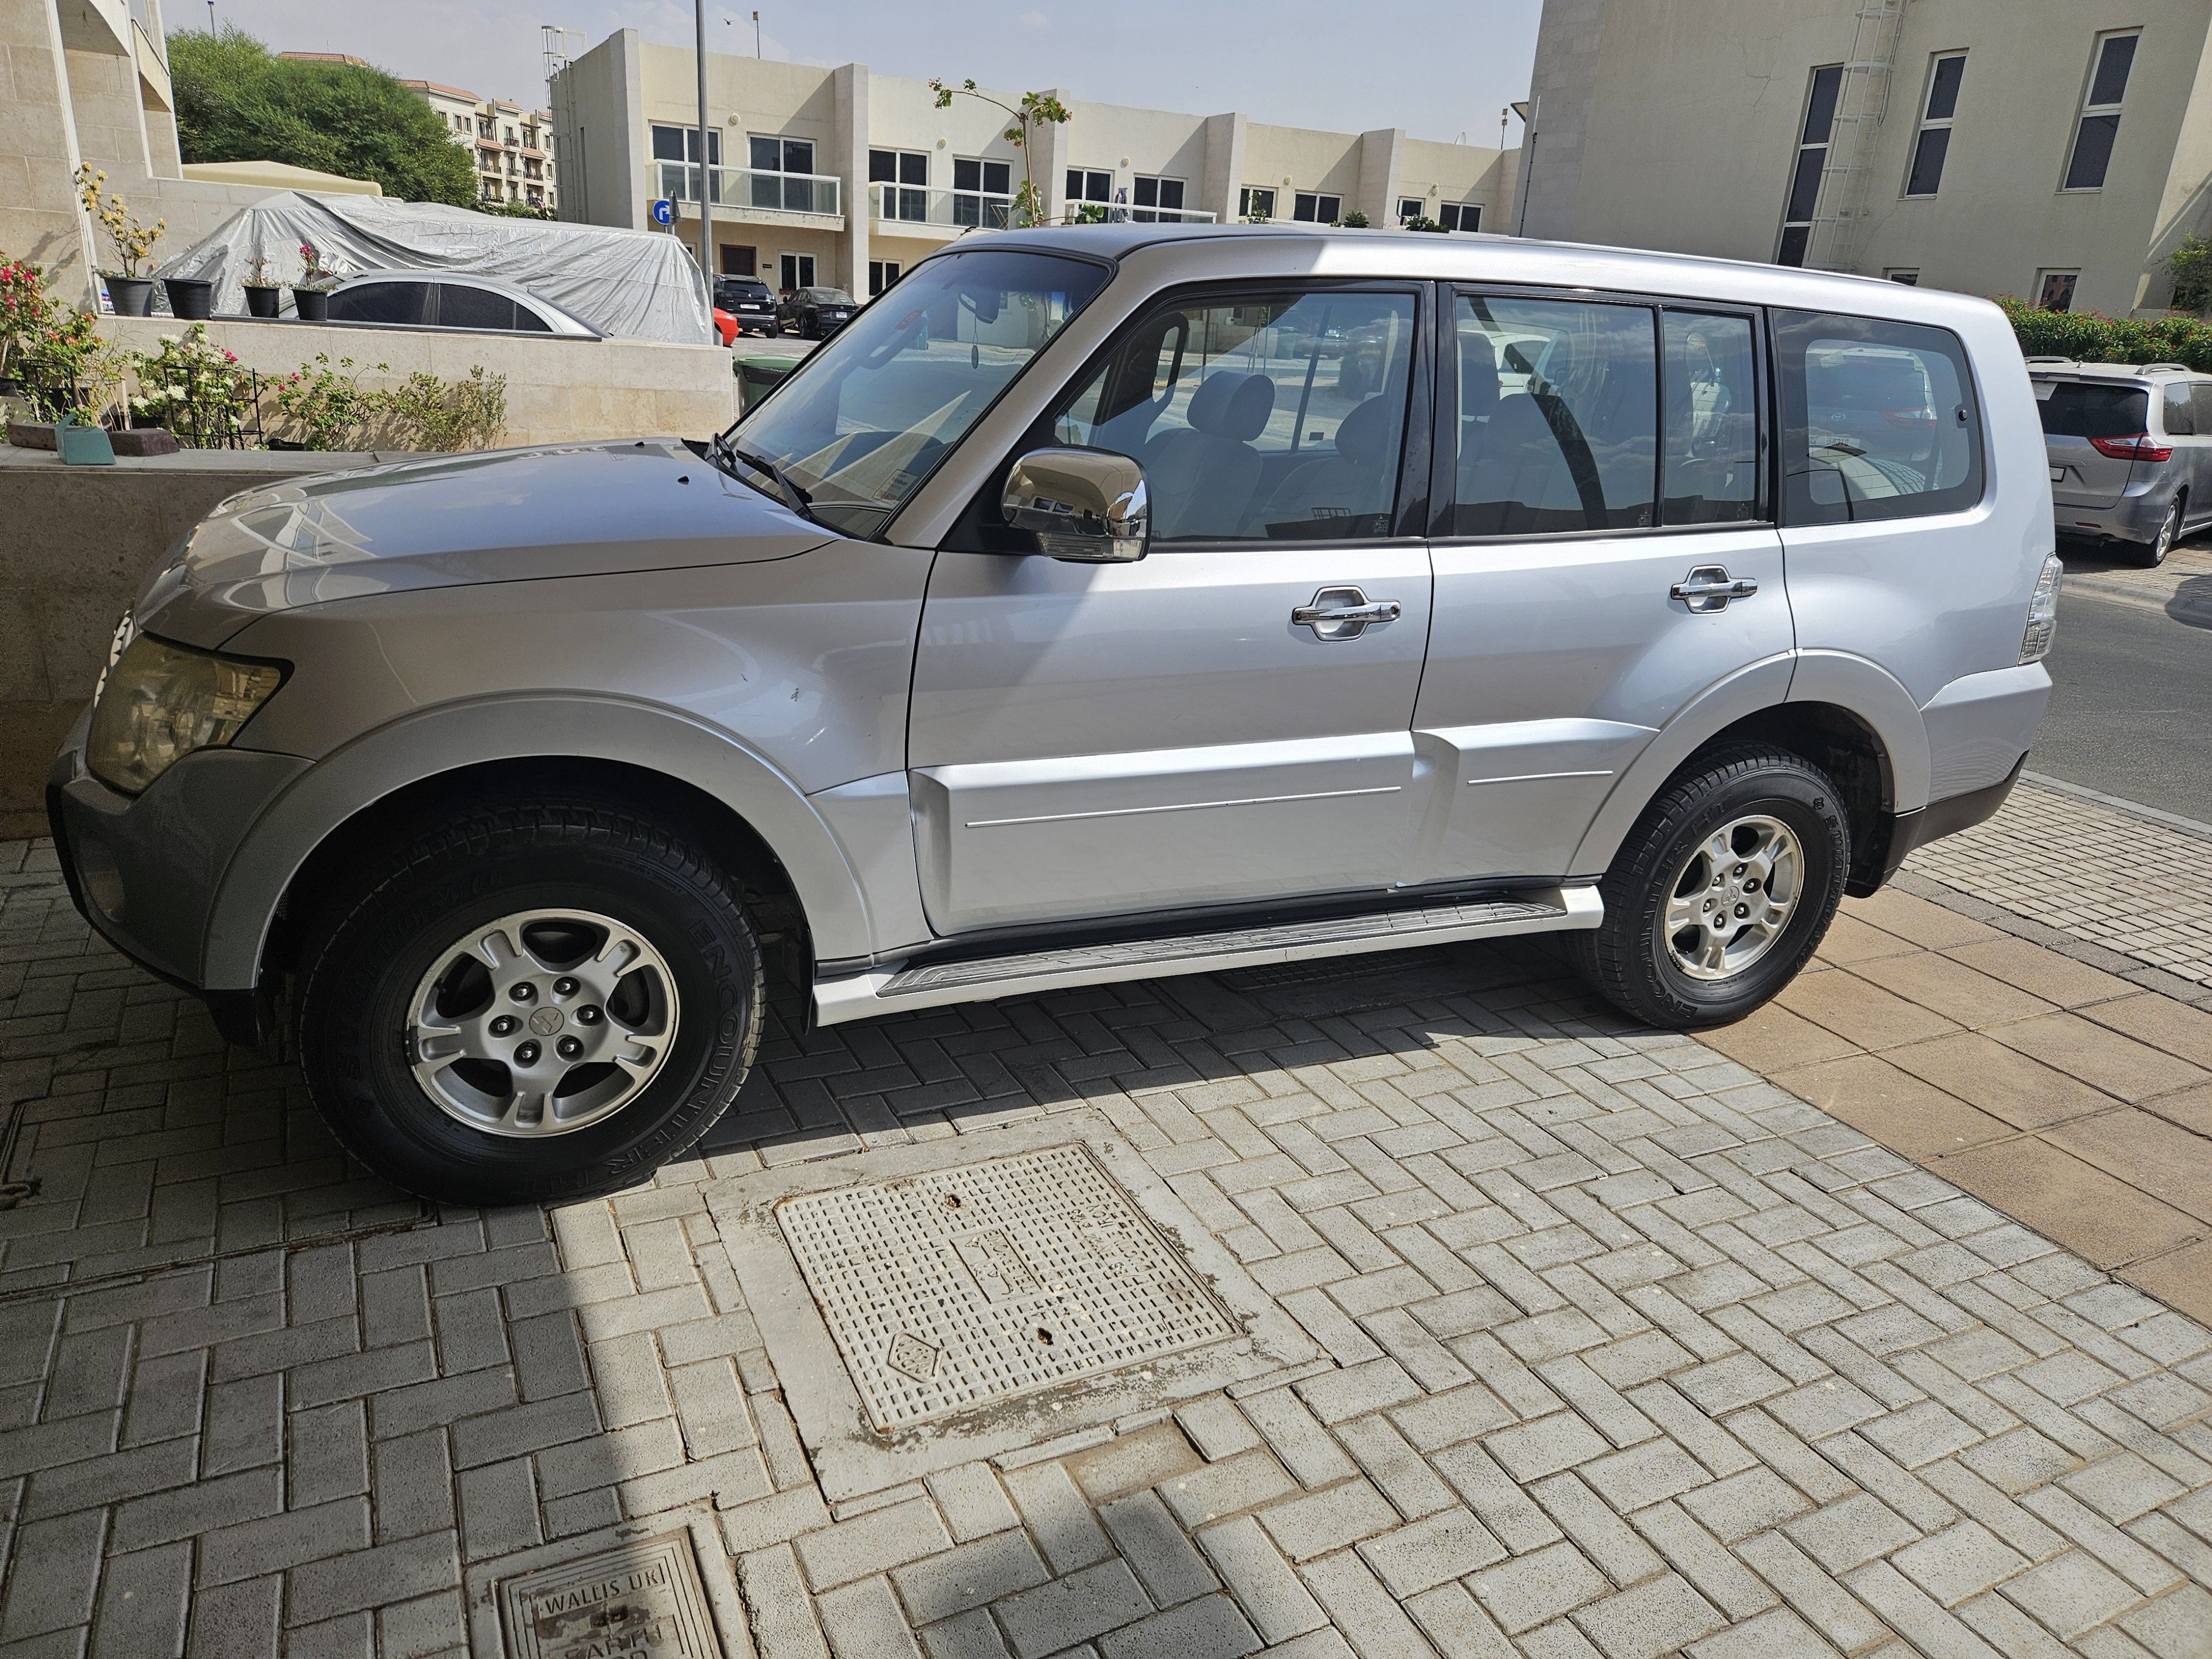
(664, 212)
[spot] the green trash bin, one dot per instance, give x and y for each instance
(758, 376)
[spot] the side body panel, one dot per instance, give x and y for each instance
(1091, 740)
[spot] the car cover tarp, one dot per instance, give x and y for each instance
(634, 285)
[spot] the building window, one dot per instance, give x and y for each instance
(738, 261)
(982, 193)
(1811, 160)
(782, 155)
(772, 155)
(1253, 201)
(1090, 185)
(682, 144)
(2054, 290)
(1311, 208)
(1910, 278)
(1933, 143)
(1157, 199)
(1460, 216)
(1412, 207)
(882, 273)
(2114, 58)
(797, 271)
(903, 175)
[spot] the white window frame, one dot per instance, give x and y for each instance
(1089, 178)
(1316, 207)
(882, 273)
(2089, 112)
(991, 209)
(904, 200)
(1453, 216)
(1412, 207)
(1157, 211)
(1930, 122)
(1803, 147)
(2072, 277)
(1247, 201)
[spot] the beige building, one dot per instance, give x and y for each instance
(513, 147)
(2055, 149)
(88, 81)
(842, 176)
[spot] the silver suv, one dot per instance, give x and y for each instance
(1102, 603)
(2131, 451)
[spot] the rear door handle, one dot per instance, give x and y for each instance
(1708, 587)
(1344, 613)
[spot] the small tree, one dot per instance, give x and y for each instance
(2192, 265)
(1036, 108)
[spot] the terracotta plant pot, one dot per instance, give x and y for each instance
(262, 301)
(191, 298)
(133, 296)
(313, 304)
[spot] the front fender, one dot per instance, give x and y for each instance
(454, 736)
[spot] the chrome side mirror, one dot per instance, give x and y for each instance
(1083, 504)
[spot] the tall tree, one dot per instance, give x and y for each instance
(236, 101)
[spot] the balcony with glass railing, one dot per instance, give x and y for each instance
(912, 209)
(740, 191)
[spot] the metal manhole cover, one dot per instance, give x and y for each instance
(643, 1600)
(951, 1290)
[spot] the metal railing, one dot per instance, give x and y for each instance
(1115, 213)
(913, 204)
(747, 187)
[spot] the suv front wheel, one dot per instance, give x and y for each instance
(528, 1003)
(1722, 891)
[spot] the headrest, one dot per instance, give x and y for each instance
(1232, 405)
(1363, 436)
(1478, 376)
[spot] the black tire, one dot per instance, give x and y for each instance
(1627, 959)
(372, 943)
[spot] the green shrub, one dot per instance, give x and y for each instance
(453, 415)
(2090, 337)
(2192, 265)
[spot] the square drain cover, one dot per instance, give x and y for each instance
(954, 1289)
(643, 1600)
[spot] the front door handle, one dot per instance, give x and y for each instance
(1344, 613)
(1709, 589)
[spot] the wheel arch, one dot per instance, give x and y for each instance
(749, 811)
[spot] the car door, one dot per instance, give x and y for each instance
(1604, 554)
(1191, 729)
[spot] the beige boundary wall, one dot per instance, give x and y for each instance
(557, 390)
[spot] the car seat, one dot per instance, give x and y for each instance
(1202, 475)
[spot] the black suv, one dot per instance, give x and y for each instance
(748, 300)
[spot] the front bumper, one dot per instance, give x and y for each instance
(146, 871)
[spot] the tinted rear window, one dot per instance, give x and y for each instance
(2075, 408)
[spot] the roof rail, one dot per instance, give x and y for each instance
(2176, 368)
(2052, 361)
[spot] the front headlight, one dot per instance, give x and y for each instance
(2042, 612)
(159, 701)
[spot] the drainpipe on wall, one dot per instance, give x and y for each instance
(1530, 114)
(706, 169)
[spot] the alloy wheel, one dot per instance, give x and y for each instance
(1733, 896)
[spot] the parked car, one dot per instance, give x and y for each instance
(816, 314)
(417, 299)
(726, 327)
(1072, 618)
(2131, 451)
(748, 300)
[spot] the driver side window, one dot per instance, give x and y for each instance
(1271, 416)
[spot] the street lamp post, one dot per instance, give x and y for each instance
(706, 172)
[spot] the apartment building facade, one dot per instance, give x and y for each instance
(514, 149)
(844, 177)
(2055, 149)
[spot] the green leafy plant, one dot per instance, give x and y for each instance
(1354, 220)
(1037, 109)
(327, 405)
(56, 355)
(2190, 266)
(451, 415)
(2091, 337)
(131, 241)
(195, 388)
(236, 101)
(26, 306)
(1422, 221)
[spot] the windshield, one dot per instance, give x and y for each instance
(861, 423)
(2075, 408)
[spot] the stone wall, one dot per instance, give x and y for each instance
(80, 542)
(557, 390)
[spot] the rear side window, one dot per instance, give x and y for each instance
(1879, 419)
(2178, 417)
(462, 306)
(2075, 408)
(380, 302)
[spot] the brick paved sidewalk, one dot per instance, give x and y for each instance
(1627, 1350)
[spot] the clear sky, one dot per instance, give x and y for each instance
(1437, 68)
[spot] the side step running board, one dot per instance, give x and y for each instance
(896, 985)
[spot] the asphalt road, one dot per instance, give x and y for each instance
(2131, 694)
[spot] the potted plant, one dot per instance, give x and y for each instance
(196, 389)
(191, 299)
(310, 295)
(132, 294)
(263, 290)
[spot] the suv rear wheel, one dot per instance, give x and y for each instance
(537, 1002)
(1722, 891)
